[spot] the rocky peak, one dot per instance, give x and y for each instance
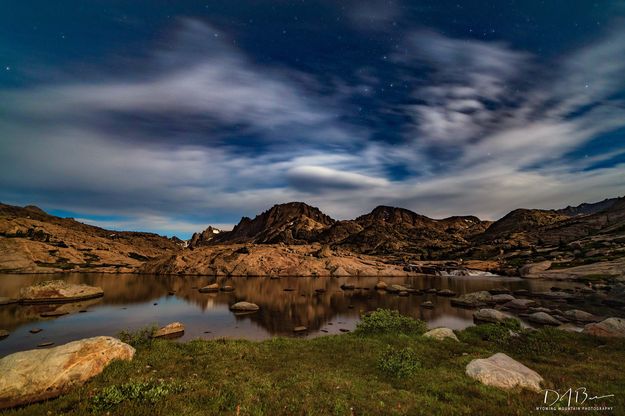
(393, 216)
(292, 223)
(203, 238)
(589, 208)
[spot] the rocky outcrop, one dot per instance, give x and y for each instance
(271, 260)
(503, 372)
(35, 375)
(204, 238)
(58, 291)
(611, 327)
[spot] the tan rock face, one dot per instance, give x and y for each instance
(441, 333)
(531, 270)
(503, 372)
(58, 291)
(35, 375)
(270, 260)
(611, 327)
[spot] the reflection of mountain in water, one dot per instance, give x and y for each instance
(280, 310)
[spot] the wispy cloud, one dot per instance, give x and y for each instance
(488, 129)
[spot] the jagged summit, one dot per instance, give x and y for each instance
(290, 223)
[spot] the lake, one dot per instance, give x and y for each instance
(132, 302)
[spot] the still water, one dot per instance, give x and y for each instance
(132, 302)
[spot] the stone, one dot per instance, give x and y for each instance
(521, 304)
(502, 298)
(45, 344)
(35, 375)
(503, 372)
(446, 292)
(227, 288)
(214, 287)
(396, 288)
(4, 333)
(381, 286)
(490, 316)
(427, 304)
(56, 291)
(611, 327)
(441, 333)
(35, 330)
(543, 319)
(403, 293)
(540, 309)
(348, 286)
(521, 292)
(531, 270)
(244, 307)
(300, 329)
(173, 330)
(473, 300)
(580, 316)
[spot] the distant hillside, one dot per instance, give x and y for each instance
(588, 208)
(33, 241)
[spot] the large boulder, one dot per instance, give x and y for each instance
(580, 316)
(543, 319)
(441, 333)
(502, 298)
(611, 327)
(210, 288)
(473, 300)
(35, 375)
(244, 307)
(53, 291)
(490, 316)
(503, 372)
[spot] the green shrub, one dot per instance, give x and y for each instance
(498, 333)
(389, 321)
(140, 338)
(400, 363)
(542, 343)
(147, 392)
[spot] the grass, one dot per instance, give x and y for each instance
(377, 370)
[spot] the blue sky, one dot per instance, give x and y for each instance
(170, 116)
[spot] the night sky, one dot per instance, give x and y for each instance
(168, 116)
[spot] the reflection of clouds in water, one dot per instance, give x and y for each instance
(208, 315)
